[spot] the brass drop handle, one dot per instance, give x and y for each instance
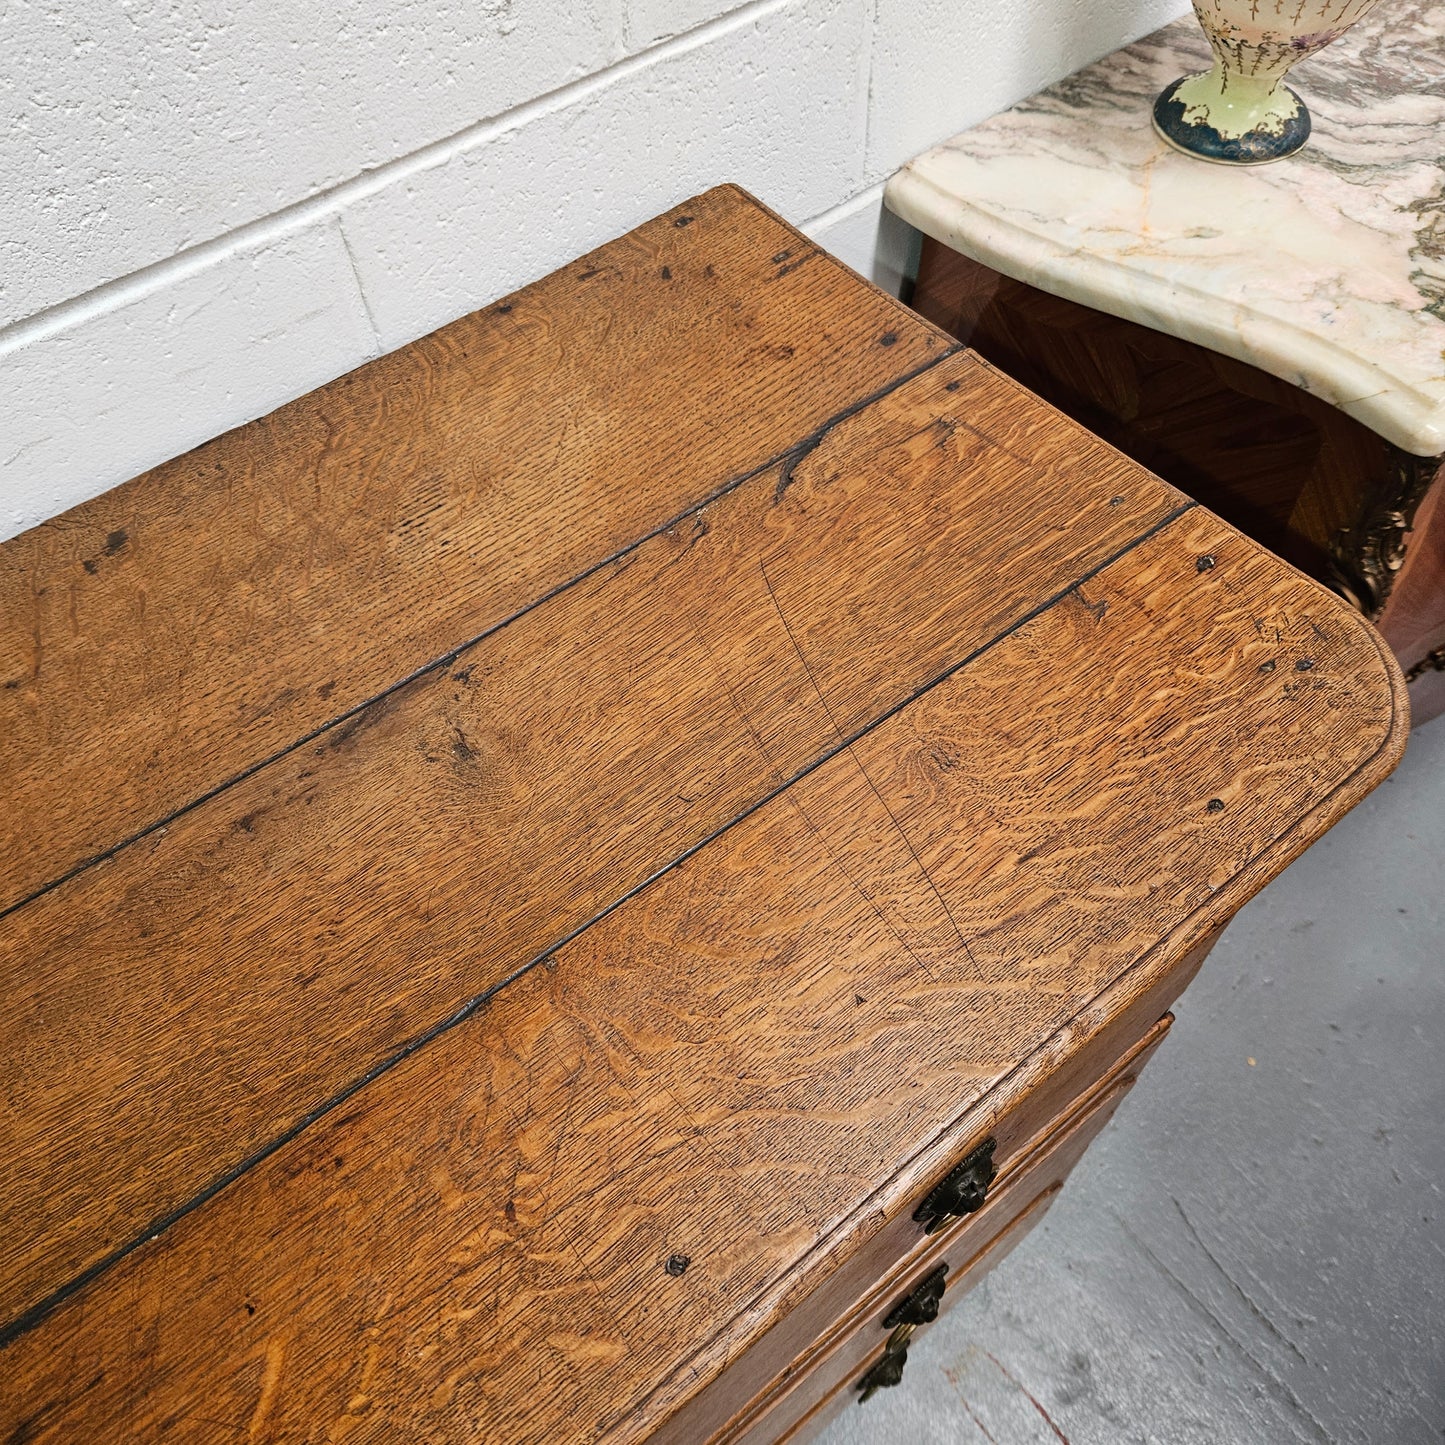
(961, 1191)
(885, 1374)
(918, 1307)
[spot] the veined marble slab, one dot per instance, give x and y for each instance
(1326, 269)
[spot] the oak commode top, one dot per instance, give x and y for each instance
(530, 863)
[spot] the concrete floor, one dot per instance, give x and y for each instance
(1254, 1250)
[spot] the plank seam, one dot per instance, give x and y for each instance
(786, 460)
(36, 1313)
(1193, 928)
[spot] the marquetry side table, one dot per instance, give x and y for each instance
(1269, 339)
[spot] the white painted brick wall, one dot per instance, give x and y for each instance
(209, 207)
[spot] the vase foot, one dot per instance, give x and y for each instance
(1196, 137)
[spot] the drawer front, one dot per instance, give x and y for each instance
(833, 1386)
(830, 1365)
(901, 1240)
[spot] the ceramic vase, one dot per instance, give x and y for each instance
(1240, 111)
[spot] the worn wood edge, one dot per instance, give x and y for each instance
(784, 462)
(914, 318)
(1151, 969)
(1121, 1074)
(833, 1404)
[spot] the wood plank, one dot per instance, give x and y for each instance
(764, 1056)
(167, 636)
(325, 912)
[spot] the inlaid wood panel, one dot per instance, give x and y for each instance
(752, 1063)
(167, 636)
(1286, 467)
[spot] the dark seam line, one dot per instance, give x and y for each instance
(787, 459)
(955, 1125)
(37, 1312)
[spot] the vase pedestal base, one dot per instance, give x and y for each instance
(1280, 136)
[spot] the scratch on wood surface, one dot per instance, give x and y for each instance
(859, 889)
(989, 440)
(858, 763)
(270, 1385)
(802, 812)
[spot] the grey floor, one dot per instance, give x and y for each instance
(1254, 1250)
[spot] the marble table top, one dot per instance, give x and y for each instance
(1326, 269)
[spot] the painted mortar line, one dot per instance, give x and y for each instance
(845, 210)
(148, 280)
(378, 348)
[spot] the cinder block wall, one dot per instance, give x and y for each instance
(208, 207)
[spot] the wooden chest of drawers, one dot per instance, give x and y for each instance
(552, 885)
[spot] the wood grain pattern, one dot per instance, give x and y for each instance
(657, 701)
(1282, 465)
(180, 629)
(689, 1075)
(1066, 1075)
(838, 757)
(836, 1354)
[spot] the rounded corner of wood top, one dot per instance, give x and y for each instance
(1387, 756)
(1392, 749)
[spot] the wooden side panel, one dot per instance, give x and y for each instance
(160, 640)
(325, 912)
(748, 1069)
(1413, 620)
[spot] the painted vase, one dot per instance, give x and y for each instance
(1241, 112)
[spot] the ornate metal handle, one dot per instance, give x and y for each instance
(961, 1191)
(918, 1307)
(887, 1372)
